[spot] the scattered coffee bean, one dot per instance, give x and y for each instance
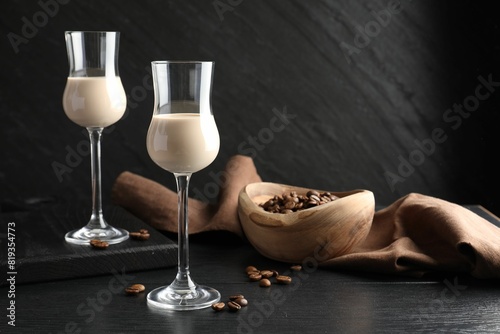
(234, 297)
(241, 301)
(99, 244)
(255, 277)
(253, 272)
(250, 269)
(139, 287)
(131, 291)
(265, 283)
(218, 306)
(135, 289)
(141, 235)
(234, 306)
(282, 279)
(266, 273)
(238, 301)
(292, 202)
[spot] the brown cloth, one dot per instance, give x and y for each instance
(415, 235)
(419, 234)
(157, 205)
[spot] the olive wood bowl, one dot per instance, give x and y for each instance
(322, 232)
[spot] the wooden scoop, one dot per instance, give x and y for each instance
(322, 232)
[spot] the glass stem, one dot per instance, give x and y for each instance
(97, 219)
(183, 282)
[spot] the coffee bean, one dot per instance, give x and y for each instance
(218, 306)
(135, 289)
(139, 287)
(275, 272)
(265, 283)
(296, 267)
(131, 291)
(250, 268)
(312, 192)
(241, 301)
(267, 204)
(234, 306)
(282, 279)
(266, 273)
(311, 203)
(315, 198)
(139, 235)
(99, 244)
(234, 297)
(255, 277)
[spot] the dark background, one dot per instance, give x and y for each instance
(353, 122)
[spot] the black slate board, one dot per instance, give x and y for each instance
(42, 253)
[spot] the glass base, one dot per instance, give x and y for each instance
(82, 236)
(166, 298)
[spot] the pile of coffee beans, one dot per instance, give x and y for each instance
(291, 202)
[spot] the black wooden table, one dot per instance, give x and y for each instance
(317, 301)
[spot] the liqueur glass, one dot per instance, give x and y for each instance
(182, 138)
(94, 98)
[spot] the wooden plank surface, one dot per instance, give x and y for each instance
(318, 301)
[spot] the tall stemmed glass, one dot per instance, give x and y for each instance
(94, 98)
(182, 139)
